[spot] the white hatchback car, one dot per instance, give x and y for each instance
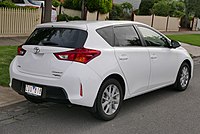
(97, 64)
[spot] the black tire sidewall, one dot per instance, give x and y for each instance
(178, 84)
(100, 112)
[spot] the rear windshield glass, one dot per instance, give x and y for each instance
(57, 37)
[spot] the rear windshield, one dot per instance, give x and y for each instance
(58, 37)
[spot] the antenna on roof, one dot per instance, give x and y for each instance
(66, 19)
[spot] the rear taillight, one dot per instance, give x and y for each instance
(81, 55)
(20, 51)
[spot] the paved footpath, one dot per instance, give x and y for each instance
(8, 96)
(194, 50)
(181, 32)
(12, 41)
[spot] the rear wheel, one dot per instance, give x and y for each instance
(183, 77)
(109, 100)
(33, 100)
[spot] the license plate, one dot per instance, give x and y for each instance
(33, 90)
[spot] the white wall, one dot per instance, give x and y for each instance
(143, 19)
(71, 12)
(173, 24)
(91, 16)
(159, 22)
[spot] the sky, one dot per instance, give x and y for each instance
(135, 3)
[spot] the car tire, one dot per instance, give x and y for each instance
(183, 77)
(109, 100)
(33, 100)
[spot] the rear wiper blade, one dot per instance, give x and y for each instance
(49, 43)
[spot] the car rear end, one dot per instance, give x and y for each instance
(52, 65)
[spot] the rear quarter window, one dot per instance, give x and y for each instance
(58, 37)
(107, 34)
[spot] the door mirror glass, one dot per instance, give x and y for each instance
(175, 44)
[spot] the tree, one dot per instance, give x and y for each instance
(146, 7)
(126, 6)
(161, 8)
(47, 11)
(72, 4)
(116, 13)
(177, 9)
(55, 3)
(192, 7)
(121, 11)
(103, 6)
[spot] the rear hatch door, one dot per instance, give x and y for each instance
(40, 47)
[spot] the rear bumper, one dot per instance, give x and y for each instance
(72, 79)
(49, 93)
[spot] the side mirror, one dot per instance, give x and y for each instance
(175, 44)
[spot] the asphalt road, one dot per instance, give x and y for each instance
(164, 111)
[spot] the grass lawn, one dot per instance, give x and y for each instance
(7, 53)
(193, 39)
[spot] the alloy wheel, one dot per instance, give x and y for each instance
(110, 99)
(184, 79)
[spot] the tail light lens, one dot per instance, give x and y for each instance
(81, 55)
(20, 51)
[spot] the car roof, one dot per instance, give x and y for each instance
(84, 25)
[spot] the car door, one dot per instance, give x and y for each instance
(133, 58)
(163, 58)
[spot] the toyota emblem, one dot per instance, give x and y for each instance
(36, 50)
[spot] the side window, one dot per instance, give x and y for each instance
(152, 38)
(107, 34)
(126, 36)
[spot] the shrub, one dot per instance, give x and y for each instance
(62, 17)
(72, 4)
(76, 18)
(104, 6)
(101, 5)
(55, 3)
(116, 13)
(92, 5)
(8, 4)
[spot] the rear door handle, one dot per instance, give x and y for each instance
(154, 56)
(123, 57)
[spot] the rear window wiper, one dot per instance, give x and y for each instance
(49, 43)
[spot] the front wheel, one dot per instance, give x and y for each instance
(109, 100)
(183, 77)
